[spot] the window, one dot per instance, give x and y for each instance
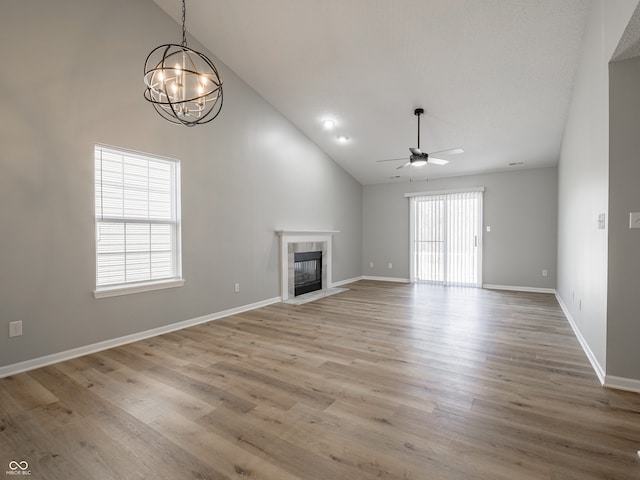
(445, 237)
(137, 222)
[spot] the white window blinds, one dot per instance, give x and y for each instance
(445, 238)
(137, 217)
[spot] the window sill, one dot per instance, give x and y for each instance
(118, 290)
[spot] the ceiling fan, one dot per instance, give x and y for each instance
(419, 158)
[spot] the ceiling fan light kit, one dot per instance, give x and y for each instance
(182, 84)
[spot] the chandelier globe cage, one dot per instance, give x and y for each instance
(182, 84)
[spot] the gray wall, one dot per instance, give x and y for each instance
(75, 78)
(623, 325)
(583, 176)
(519, 206)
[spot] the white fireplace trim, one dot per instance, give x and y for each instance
(296, 236)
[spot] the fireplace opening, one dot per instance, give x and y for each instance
(307, 267)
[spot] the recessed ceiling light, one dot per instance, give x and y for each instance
(343, 139)
(328, 124)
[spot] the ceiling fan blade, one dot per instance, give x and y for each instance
(392, 160)
(404, 165)
(415, 151)
(437, 161)
(450, 151)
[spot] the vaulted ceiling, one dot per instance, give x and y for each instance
(494, 76)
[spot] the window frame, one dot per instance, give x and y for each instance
(131, 287)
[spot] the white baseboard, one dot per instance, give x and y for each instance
(345, 282)
(386, 279)
(519, 289)
(583, 343)
(621, 383)
(134, 337)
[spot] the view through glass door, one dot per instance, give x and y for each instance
(446, 234)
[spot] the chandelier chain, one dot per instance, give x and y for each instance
(184, 28)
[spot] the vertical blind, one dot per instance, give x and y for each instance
(445, 244)
(137, 217)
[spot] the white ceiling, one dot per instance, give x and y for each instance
(494, 76)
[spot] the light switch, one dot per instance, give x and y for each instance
(634, 220)
(601, 221)
(488, 228)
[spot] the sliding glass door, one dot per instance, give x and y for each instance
(446, 233)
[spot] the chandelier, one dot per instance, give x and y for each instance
(182, 84)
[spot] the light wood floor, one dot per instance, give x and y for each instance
(384, 381)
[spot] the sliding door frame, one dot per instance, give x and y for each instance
(412, 227)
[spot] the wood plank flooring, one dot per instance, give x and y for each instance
(384, 381)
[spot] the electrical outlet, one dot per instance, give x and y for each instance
(236, 287)
(544, 273)
(15, 328)
(370, 264)
(390, 265)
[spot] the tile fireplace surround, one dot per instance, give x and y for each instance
(297, 241)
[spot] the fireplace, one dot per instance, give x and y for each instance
(307, 268)
(293, 242)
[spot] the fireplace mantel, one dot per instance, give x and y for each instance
(307, 233)
(288, 237)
